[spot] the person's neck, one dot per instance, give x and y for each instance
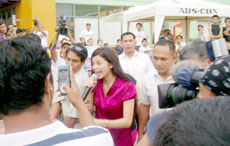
(3, 34)
(109, 79)
(31, 118)
(164, 76)
(130, 54)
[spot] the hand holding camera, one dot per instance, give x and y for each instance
(67, 85)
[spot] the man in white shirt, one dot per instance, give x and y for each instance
(139, 34)
(132, 62)
(202, 35)
(43, 34)
(26, 94)
(87, 33)
(145, 48)
(164, 56)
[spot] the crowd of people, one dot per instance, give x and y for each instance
(123, 106)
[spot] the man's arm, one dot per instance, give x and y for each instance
(53, 48)
(142, 119)
(210, 32)
(70, 37)
(220, 33)
(145, 141)
(73, 94)
(33, 29)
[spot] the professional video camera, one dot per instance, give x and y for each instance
(172, 94)
(62, 26)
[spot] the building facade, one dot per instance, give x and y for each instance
(78, 13)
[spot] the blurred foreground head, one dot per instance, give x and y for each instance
(24, 74)
(199, 122)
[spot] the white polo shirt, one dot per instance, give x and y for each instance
(57, 134)
(137, 66)
(140, 35)
(86, 35)
(43, 38)
(149, 92)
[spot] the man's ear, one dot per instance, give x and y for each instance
(49, 85)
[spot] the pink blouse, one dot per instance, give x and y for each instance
(111, 107)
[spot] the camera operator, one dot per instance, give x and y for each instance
(216, 80)
(196, 123)
(26, 91)
(38, 29)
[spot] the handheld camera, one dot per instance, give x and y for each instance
(35, 20)
(62, 29)
(63, 78)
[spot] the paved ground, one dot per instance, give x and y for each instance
(1, 127)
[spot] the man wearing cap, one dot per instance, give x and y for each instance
(164, 56)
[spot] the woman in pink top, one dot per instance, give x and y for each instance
(113, 96)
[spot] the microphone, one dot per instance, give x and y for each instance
(87, 90)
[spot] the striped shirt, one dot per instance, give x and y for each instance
(57, 134)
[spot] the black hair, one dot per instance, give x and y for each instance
(216, 16)
(128, 33)
(24, 66)
(199, 122)
(139, 24)
(227, 18)
(118, 40)
(19, 31)
(88, 24)
(111, 56)
(179, 36)
(79, 50)
(200, 26)
(33, 37)
(106, 44)
(169, 43)
(166, 30)
(144, 39)
(99, 40)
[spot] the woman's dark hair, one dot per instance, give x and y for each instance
(78, 49)
(227, 18)
(111, 56)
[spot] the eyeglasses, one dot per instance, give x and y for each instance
(78, 49)
(75, 47)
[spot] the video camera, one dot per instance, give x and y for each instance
(62, 26)
(172, 94)
(36, 22)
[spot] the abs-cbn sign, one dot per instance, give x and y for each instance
(197, 11)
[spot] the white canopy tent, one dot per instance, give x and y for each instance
(171, 10)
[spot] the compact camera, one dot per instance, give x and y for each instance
(63, 78)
